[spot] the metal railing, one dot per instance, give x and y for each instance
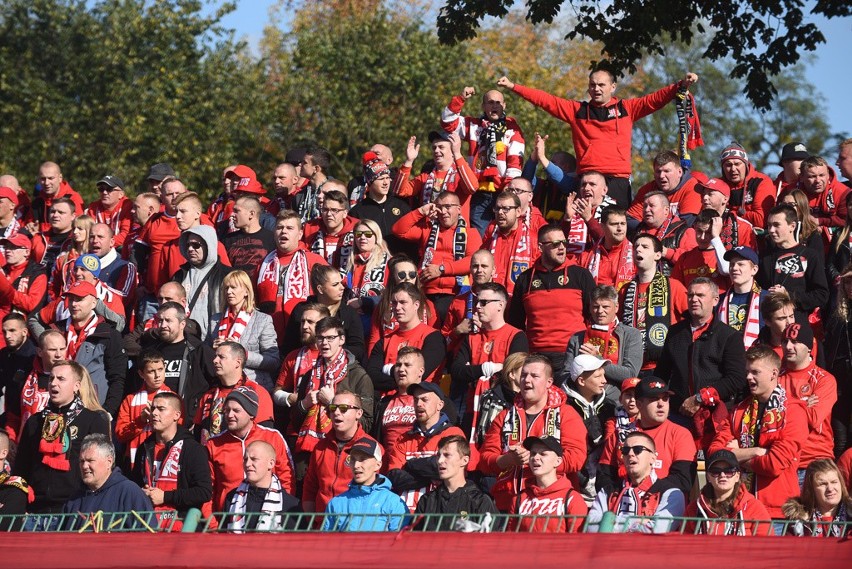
(152, 522)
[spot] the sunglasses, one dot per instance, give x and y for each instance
(637, 449)
(367, 234)
(717, 472)
(410, 274)
(342, 407)
(107, 189)
(483, 302)
(193, 245)
(555, 244)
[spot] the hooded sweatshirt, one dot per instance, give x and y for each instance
(118, 494)
(746, 509)
(544, 509)
(207, 301)
(346, 512)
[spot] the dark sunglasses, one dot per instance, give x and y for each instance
(367, 234)
(342, 407)
(483, 302)
(637, 449)
(107, 189)
(716, 472)
(193, 245)
(410, 274)
(555, 244)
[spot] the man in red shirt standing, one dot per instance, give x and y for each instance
(53, 187)
(677, 186)
(602, 128)
(511, 239)
(610, 260)
(113, 208)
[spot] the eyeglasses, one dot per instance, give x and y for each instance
(327, 339)
(331, 210)
(483, 302)
(107, 189)
(367, 234)
(504, 209)
(342, 407)
(193, 245)
(717, 472)
(411, 275)
(555, 244)
(637, 449)
(520, 191)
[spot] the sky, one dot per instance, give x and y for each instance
(831, 79)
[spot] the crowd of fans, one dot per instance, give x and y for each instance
(471, 339)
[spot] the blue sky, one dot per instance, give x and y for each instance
(831, 79)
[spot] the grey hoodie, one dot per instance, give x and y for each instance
(196, 275)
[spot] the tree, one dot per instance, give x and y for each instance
(761, 37)
(725, 114)
(114, 86)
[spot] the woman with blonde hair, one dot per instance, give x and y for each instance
(62, 274)
(824, 509)
(241, 322)
(366, 273)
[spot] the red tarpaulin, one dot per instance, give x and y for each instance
(421, 550)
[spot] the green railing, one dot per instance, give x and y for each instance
(320, 522)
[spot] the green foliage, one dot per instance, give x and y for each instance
(761, 37)
(115, 85)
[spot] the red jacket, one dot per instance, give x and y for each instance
(803, 384)
(509, 260)
(685, 199)
(226, 461)
(747, 509)
(120, 218)
(328, 471)
(758, 197)
(414, 227)
(603, 136)
(332, 243)
(544, 509)
(43, 203)
(775, 474)
(829, 207)
(464, 184)
(510, 428)
(156, 233)
(209, 417)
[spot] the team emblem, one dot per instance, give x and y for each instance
(488, 347)
(395, 210)
(561, 280)
(73, 431)
(517, 269)
(657, 334)
(537, 283)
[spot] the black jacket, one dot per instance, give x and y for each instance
(195, 486)
(200, 375)
(385, 215)
(102, 353)
(54, 487)
(469, 498)
(15, 366)
(352, 327)
(717, 360)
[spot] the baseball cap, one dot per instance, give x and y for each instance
(746, 253)
(160, 172)
(800, 332)
(246, 397)
(652, 386)
(246, 180)
(586, 362)
(437, 136)
(793, 151)
(427, 386)
(722, 456)
(89, 262)
(82, 289)
(18, 240)
(367, 446)
(111, 181)
(551, 443)
(295, 156)
(9, 194)
(629, 383)
(718, 185)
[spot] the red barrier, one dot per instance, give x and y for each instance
(421, 550)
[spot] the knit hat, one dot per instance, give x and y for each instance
(373, 167)
(246, 397)
(734, 151)
(800, 332)
(89, 262)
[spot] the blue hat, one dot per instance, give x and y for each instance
(89, 262)
(426, 386)
(746, 253)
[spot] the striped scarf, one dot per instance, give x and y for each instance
(273, 506)
(232, 327)
(293, 281)
(431, 190)
(459, 249)
(317, 423)
(751, 326)
(75, 337)
(773, 418)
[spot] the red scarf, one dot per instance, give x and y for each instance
(604, 338)
(624, 269)
(233, 326)
(33, 399)
(292, 281)
(76, 337)
(317, 424)
(55, 443)
(164, 476)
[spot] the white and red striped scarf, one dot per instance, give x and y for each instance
(233, 327)
(110, 218)
(33, 399)
(105, 293)
(11, 230)
(294, 282)
(316, 424)
(141, 399)
(524, 252)
(624, 271)
(751, 327)
(76, 337)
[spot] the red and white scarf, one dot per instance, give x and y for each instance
(11, 230)
(75, 337)
(431, 190)
(604, 338)
(317, 424)
(751, 326)
(165, 477)
(773, 418)
(523, 254)
(624, 270)
(33, 399)
(373, 281)
(233, 327)
(294, 281)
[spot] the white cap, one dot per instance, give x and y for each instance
(585, 362)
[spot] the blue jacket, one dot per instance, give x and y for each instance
(386, 510)
(118, 494)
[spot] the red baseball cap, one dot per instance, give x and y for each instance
(717, 185)
(82, 289)
(9, 194)
(18, 240)
(246, 180)
(630, 383)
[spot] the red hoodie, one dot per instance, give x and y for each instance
(806, 383)
(545, 509)
(746, 510)
(328, 472)
(758, 196)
